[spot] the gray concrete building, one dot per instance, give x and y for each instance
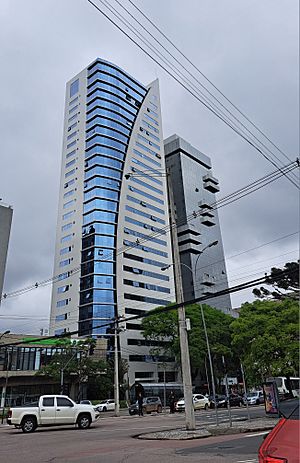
(6, 213)
(194, 187)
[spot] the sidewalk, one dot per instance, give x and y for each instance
(255, 425)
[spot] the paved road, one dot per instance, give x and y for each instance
(110, 441)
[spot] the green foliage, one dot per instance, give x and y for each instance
(75, 361)
(284, 285)
(266, 335)
(163, 327)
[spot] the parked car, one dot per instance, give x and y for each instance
(220, 399)
(282, 444)
(199, 401)
(255, 398)
(105, 405)
(235, 400)
(51, 410)
(150, 404)
(86, 402)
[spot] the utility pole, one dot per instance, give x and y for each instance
(116, 372)
(210, 365)
(6, 382)
(184, 346)
(227, 391)
(245, 390)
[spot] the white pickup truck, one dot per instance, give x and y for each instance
(51, 410)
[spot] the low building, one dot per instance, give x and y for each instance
(21, 359)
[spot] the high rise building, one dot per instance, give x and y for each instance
(194, 189)
(113, 211)
(6, 213)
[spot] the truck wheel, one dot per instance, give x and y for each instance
(84, 421)
(28, 424)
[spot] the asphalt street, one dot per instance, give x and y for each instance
(111, 440)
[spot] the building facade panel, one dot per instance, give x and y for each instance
(112, 237)
(194, 194)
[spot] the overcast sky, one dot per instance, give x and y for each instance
(248, 49)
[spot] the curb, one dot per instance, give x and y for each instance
(182, 434)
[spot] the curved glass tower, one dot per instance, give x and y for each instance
(113, 211)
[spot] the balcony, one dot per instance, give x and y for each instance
(211, 183)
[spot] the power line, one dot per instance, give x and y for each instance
(208, 80)
(207, 105)
(197, 80)
(168, 308)
(232, 197)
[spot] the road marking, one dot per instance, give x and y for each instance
(258, 434)
(248, 461)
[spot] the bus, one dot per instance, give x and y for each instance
(161, 390)
(282, 386)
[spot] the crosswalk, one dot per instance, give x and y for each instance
(223, 417)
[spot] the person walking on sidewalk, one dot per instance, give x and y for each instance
(140, 404)
(172, 402)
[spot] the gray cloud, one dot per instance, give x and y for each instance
(249, 49)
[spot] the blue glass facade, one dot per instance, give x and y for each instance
(113, 102)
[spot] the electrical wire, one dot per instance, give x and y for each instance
(166, 309)
(208, 80)
(126, 23)
(254, 186)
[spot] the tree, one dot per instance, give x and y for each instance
(162, 328)
(75, 360)
(266, 335)
(284, 284)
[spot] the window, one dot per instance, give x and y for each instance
(147, 195)
(70, 163)
(72, 135)
(69, 183)
(72, 118)
(62, 303)
(65, 262)
(144, 204)
(48, 402)
(65, 250)
(66, 238)
(71, 172)
(140, 182)
(68, 155)
(60, 331)
(69, 193)
(73, 143)
(150, 300)
(74, 88)
(63, 402)
(63, 289)
(63, 276)
(60, 318)
(66, 227)
(73, 109)
(73, 101)
(145, 248)
(144, 156)
(144, 214)
(68, 215)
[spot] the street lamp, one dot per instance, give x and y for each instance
(5, 332)
(214, 243)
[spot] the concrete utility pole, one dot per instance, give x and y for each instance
(184, 346)
(116, 372)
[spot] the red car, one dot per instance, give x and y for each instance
(282, 444)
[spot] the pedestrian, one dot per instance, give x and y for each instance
(172, 402)
(140, 404)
